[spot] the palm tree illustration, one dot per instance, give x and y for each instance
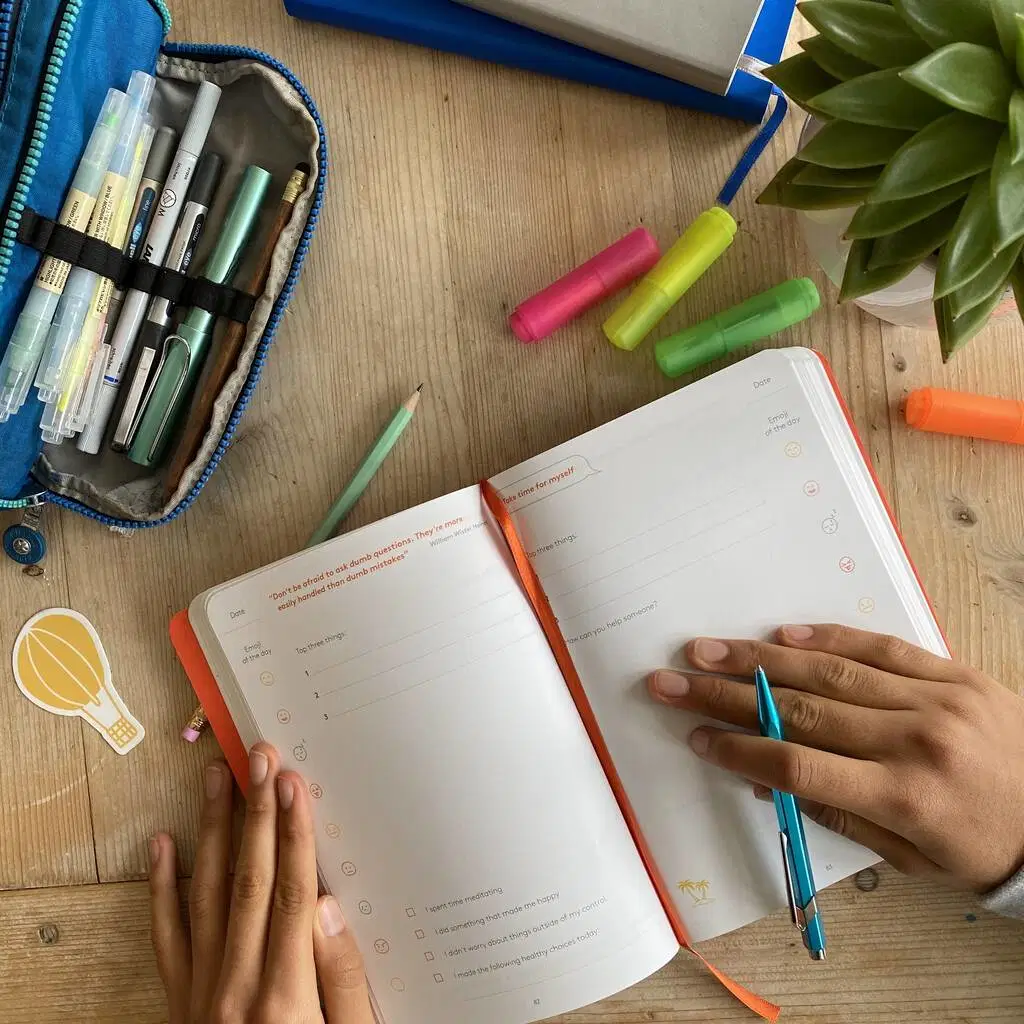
(698, 891)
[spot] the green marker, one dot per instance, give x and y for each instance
(760, 317)
(185, 350)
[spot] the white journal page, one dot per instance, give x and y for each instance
(720, 510)
(463, 819)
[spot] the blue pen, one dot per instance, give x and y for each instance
(796, 858)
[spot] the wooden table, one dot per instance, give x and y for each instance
(457, 188)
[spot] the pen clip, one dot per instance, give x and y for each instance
(795, 912)
(178, 385)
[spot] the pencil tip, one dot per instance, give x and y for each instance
(420, 388)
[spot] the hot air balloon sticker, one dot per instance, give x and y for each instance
(60, 665)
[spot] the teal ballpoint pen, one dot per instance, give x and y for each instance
(796, 858)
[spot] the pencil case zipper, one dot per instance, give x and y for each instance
(208, 53)
(9, 10)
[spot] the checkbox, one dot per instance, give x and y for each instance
(420, 933)
(439, 978)
(428, 957)
(409, 912)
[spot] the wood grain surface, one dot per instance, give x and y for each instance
(457, 188)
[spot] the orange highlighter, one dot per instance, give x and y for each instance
(966, 415)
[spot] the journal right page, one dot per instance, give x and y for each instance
(726, 509)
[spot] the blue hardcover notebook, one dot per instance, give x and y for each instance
(444, 25)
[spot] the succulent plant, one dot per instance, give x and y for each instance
(922, 104)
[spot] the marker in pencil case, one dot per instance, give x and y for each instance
(28, 340)
(74, 340)
(187, 235)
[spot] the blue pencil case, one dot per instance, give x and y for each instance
(58, 58)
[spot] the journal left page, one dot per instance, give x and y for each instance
(464, 821)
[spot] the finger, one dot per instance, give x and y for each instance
(858, 786)
(809, 719)
(888, 653)
(812, 671)
(290, 971)
(173, 958)
(209, 894)
(902, 854)
(251, 895)
(340, 967)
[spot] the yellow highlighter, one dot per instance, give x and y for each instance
(701, 244)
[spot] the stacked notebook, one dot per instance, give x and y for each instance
(505, 847)
(701, 54)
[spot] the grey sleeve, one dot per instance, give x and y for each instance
(1008, 899)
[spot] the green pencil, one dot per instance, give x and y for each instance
(372, 461)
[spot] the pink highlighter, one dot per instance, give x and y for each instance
(581, 289)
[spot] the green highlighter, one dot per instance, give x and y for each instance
(185, 350)
(760, 317)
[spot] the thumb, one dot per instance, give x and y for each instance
(339, 965)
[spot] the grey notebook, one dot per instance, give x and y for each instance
(693, 41)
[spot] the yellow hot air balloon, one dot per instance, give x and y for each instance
(60, 665)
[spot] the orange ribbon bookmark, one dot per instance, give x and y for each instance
(534, 591)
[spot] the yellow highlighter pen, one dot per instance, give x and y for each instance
(674, 274)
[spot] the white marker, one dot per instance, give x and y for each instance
(158, 241)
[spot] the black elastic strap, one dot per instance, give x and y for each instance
(78, 249)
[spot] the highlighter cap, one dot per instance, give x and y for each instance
(158, 163)
(966, 415)
(698, 248)
(583, 288)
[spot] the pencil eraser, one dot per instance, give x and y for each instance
(190, 734)
(581, 289)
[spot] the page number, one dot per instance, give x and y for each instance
(316, 694)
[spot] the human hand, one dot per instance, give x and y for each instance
(257, 946)
(914, 756)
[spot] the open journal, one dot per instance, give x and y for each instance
(465, 820)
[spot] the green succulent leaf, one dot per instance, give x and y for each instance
(971, 243)
(1007, 195)
(830, 177)
(1020, 46)
(1017, 282)
(859, 279)
(843, 144)
(1017, 125)
(874, 219)
(939, 22)
(881, 98)
(1004, 14)
(955, 332)
(917, 241)
(992, 277)
(950, 149)
(967, 77)
(782, 191)
(873, 32)
(838, 63)
(800, 78)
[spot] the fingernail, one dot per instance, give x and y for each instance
(332, 920)
(711, 650)
(154, 852)
(285, 792)
(699, 742)
(798, 633)
(671, 684)
(259, 765)
(214, 780)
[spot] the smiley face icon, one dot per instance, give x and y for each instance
(315, 791)
(381, 946)
(284, 716)
(267, 678)
(333, 831)
(348, 868)
(793, 450)
(299, 753)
